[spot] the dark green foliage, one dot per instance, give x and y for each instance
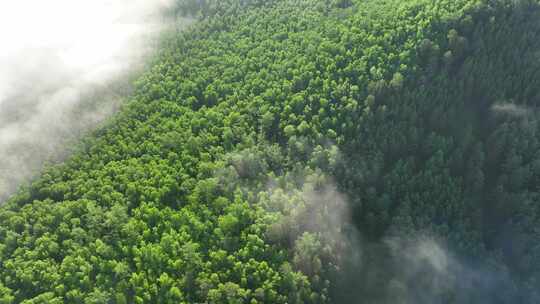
(229, 174)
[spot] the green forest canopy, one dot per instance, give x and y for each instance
(273, 139)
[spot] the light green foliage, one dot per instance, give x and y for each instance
(215, 182)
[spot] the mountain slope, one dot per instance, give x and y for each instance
(263, 143)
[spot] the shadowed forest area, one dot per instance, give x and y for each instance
(302, 151)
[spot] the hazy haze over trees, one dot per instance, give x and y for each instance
(64, 67)
(302, 151)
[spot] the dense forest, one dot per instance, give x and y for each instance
(302, 151)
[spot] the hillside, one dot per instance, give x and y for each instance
(303, 151)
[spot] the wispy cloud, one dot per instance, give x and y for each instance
(511, 109)
(62, 64)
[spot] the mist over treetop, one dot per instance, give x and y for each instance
(303, 152)
(65, 66)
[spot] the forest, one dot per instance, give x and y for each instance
(302, 151)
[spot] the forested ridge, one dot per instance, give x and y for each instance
(277, 151)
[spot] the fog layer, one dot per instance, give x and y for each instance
(63, 67)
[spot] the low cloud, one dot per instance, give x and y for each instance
(511, 109)
(307, 213)
(414, 268)
(418, 269)
(64, 68)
